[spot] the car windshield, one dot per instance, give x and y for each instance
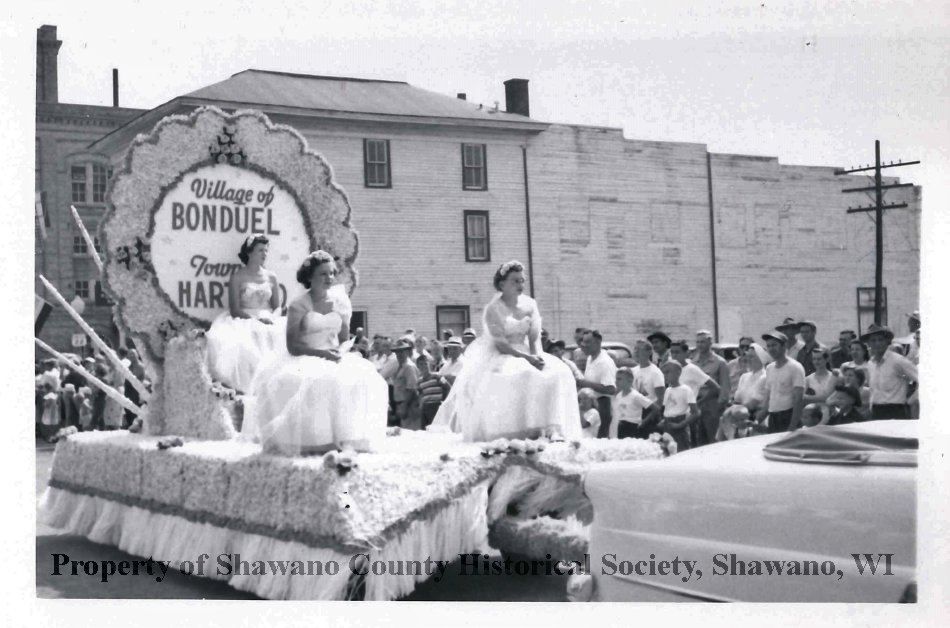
(835, 445)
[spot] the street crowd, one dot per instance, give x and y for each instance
(783, 381)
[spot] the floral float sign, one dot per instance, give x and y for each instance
(188, 195)
(202, 222)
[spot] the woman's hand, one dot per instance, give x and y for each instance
(331, 355)
(536, 361)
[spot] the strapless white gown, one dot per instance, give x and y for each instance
(502, 396)
(236, 346)
(305, 404)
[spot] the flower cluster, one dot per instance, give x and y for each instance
(665, 441)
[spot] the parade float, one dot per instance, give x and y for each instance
(182, 483)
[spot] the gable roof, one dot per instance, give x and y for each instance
(343, 94)
(325, 97)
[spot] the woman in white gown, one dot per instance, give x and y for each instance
(319, 396)
(251, 330)
(507, 387)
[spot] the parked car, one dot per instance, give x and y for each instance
(728, 350)
(832, 500)
(616, 350)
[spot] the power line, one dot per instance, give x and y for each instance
(878, 207)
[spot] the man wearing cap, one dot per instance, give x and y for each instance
(468, 337)
(452, 364)
(600, 375)
(845, 400)
(405, 380)
(889, 375)
(803, 357)
(784, 386)
(711, 406)
(661, 347)
(842, 353)
(790, 328)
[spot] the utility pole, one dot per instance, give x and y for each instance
(878, 208)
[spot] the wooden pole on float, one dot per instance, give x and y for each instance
(99, 342)
(110, 392)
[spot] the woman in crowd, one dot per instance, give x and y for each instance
(750, 393)
(819, 385)
(859, 358)
(251, 329)
(318, 396)
(506, 387)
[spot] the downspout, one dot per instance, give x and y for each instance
(527, 218)
(712, 248)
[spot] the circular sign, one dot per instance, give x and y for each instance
(201, 224)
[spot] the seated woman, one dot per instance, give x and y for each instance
(819, 386)
(318, 396)
(506, 386)
(250, 330)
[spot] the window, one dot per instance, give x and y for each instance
(474, 172)
(866, 308)
(451, 317)
(80, 247)
(89, 182)
(359, 319)
(78, 184)
(477, 240)
(376, 172)
(100, 179)
(82, 289)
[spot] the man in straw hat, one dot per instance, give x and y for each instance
(889, 375)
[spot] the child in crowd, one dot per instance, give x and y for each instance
(679, 406)
(855, 378)
(430, 391)
(590, 417)
(83, 401)
(627, 408)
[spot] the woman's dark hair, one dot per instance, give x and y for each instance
(504, 270)
(864, 348)
(249, 243)
(310, 265)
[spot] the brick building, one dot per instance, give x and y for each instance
(625, 235)
(68, 172)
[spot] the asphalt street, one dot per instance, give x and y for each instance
(51, 541)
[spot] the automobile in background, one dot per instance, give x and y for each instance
(836, 500)
(616, 350)
(727, 350)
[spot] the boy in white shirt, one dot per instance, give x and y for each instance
(590, 417)
(679, 406)
(627, 408)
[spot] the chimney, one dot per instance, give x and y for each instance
(461, 96)
(47, 49)
(115, 87)
(516, 96)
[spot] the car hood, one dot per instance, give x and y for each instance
(729, 498)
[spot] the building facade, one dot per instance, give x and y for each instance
(624, 235)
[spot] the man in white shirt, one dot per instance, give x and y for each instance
(784, 387)
(705, 388)
(647, 377)
(453, 360)
(600, 375)
(661, 347)
(890, 374)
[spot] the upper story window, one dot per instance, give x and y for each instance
(81, 248)
(89, 182)
(477, 240)
(474, 169)
(376, 169)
